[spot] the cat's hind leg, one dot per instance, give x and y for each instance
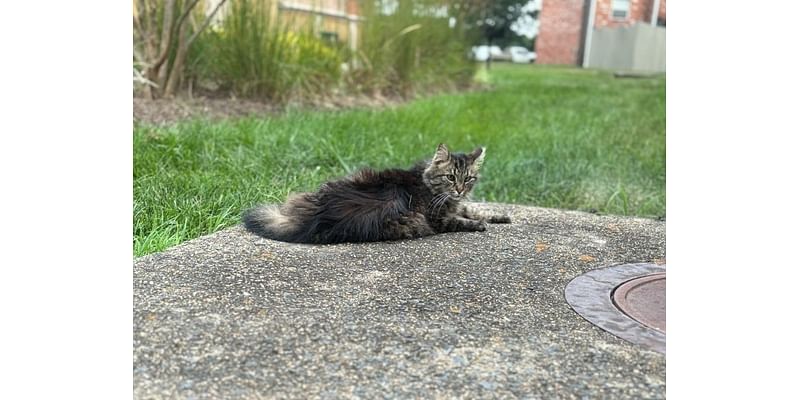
(406, 226)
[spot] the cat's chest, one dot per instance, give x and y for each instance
(421, 201)
(431, 205)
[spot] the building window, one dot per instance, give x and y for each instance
(620, 9)
(330, 37)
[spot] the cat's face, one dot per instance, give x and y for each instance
(453, 173)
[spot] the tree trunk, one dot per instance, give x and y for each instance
(176, 72)
(161, 63)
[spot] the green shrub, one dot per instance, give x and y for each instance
(253, 53)
(257, 55)
(411, 47)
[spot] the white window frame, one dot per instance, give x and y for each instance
(615, 8)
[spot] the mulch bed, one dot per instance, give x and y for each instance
(169, 111)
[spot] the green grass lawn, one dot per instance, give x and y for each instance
(555, 137)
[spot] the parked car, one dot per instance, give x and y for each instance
(481, 53)
(517, 54)
(520, 54)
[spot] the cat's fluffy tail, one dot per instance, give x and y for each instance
(286, 223)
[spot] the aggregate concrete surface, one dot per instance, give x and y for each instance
(458, 315)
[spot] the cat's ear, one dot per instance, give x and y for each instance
(477, 157)
(442, 154)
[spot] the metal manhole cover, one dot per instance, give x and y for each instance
(644, 299)
(638, 288)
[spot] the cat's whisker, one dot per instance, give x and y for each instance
(437, 198)
(434, 201)
(442, 202)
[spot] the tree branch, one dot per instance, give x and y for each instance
(138, 26)
(205, 23)
(186, 12)
(175, 27)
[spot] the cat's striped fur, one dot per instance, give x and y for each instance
(380, 205)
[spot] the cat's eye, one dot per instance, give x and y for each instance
(451, 178)
(471, 179)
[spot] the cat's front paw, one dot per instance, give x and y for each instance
(479, 226)
(500, 219)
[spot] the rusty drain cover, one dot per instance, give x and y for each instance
(644, 299)
(628, 301)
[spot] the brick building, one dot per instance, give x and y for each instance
(564, 23)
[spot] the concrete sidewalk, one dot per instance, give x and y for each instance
(472, 315)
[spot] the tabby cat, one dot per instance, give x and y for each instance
(381, 205)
